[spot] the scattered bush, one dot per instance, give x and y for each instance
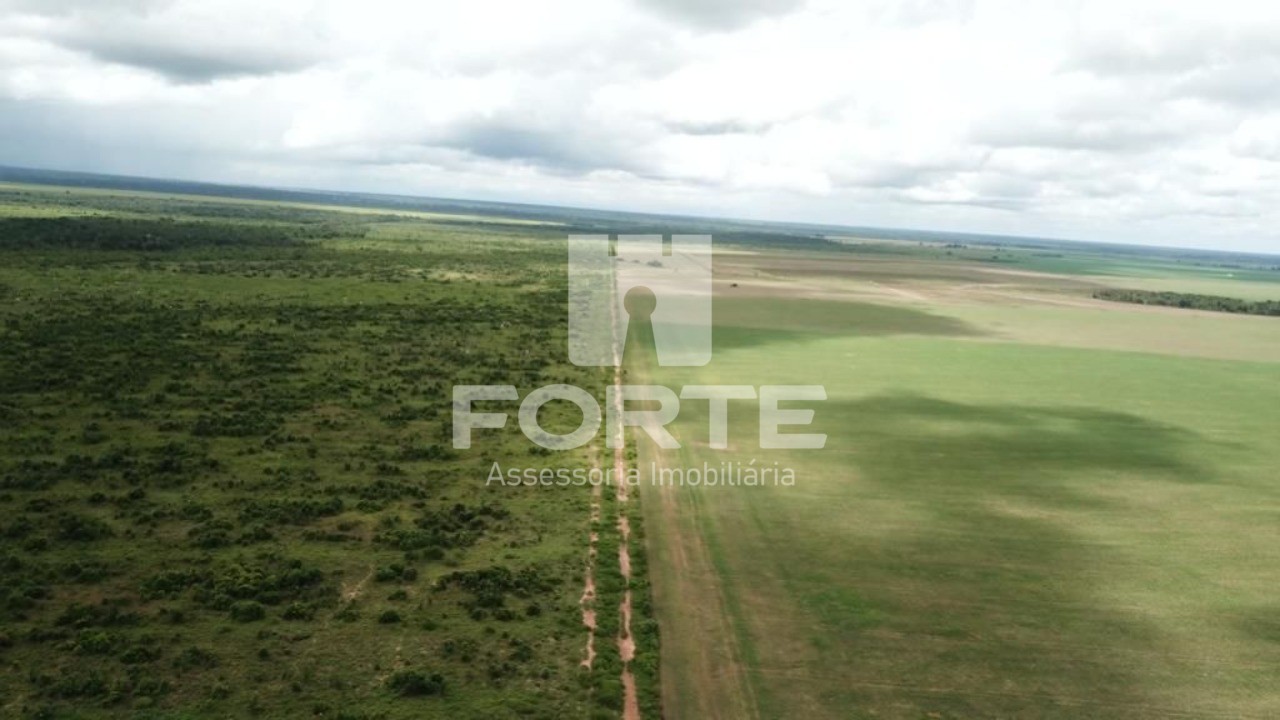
(195, 658)
(411, 683)
(247, 611)
(299, 611)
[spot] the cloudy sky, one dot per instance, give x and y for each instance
(1142, 122)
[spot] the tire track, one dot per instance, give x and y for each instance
(626, 643)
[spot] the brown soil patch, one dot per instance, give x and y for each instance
(352, 592)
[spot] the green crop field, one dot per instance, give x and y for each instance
(1031, 503)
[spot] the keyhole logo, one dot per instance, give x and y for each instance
(637, 276)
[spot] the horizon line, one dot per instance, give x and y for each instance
(790, 226)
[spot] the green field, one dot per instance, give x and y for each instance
(1031, 504)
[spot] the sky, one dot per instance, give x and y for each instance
(1144, 122)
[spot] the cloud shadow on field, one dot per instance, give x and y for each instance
(972, 573)
(750, 322)
(916, 439)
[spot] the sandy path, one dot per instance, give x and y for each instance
(626, 643)
(703, 672)
(352, 592)
(588, 599)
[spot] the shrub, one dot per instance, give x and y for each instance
(95, 642)
(195, 657)
(210, 535)
(82, 528)
(104, 614)
(247, 611)
(139, 654)
(299, 611)
(72, 684)
(389, 617)
(411, 683)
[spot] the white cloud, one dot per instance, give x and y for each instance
(1131, 121)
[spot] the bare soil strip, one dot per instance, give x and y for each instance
(352, 593)
(626, 643)
(703, 672)
(588, 599)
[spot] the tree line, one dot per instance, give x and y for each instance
(1216, 303)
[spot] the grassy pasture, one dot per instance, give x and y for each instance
(1024, 509)
(1226, 286)
(869, 295)
(1084, 260)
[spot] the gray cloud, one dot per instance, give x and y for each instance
(1252, 85)
(1234, 66)
(1112, 135)
(111, 140)
(718, 127)
(67, 7)
(1118, 57)
(552, 149)
(922, 12)
(190, 63)
(720, 14)
(169, 38)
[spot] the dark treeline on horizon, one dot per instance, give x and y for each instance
(1216, 303)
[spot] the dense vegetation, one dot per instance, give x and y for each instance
(1189, 300)
(227, 487)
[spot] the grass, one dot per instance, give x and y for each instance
(1231, 287)
(744, 316)
(998, 527)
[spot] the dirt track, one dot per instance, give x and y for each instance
(703, 674)
(626, 643)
